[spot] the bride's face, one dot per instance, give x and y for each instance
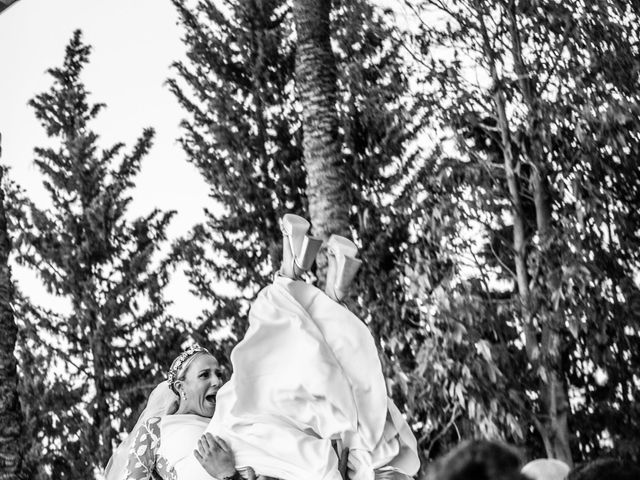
(200, 385)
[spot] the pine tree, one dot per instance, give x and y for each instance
(12, 428)
(243, 134)
(90, 370)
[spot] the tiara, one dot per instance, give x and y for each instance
(172, 376)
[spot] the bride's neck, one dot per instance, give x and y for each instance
(184, 410)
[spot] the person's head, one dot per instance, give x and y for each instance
(479, 460)
(605, 469)
(194, 377)
(546, 469)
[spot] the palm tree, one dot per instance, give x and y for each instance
(5, 4)
(327, 188)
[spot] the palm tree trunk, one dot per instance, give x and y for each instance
(11, 419)
(327, 187)
(4, 4)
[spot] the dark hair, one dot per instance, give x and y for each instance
(605, 469)
(479, 460)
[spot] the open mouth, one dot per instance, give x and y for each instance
(211, 398)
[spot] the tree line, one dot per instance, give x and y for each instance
(484, 158)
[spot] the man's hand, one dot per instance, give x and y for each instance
(215, 456)
(252, 475)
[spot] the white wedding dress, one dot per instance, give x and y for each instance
(306, 373)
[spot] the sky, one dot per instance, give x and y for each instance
(134, 42)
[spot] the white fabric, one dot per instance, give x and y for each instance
(179, 436)
(161, 402)
(307, 372)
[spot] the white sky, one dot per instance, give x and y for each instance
(134, 42)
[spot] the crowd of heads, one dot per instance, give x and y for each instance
(490, 460)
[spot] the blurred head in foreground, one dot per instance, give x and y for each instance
(478, 460)
(546, 469)
(605, 469)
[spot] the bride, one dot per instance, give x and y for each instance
(307, 376)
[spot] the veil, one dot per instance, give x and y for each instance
(161, 402)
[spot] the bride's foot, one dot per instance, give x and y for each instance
(299, 250)
(342, 268)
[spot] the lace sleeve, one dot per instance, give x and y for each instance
(142, 456)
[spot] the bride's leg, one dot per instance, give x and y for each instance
(342, 268)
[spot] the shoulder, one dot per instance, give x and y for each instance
(147, 439)
(149, 431)
(153, 423)
(142, 456)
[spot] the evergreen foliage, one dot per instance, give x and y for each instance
(500, 274)
(243, 134)
(88, 371)
(12, 424)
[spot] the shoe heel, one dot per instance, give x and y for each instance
(346, 273)
(308, 252)
(342, 268)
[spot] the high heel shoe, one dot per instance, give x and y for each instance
(342, 268)
(299, 250)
